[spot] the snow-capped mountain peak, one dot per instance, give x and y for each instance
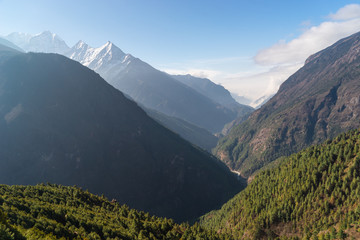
(47, 34)
(109, 44)
(106, 60)
(43, 42)
(47, 42)
(101, 59)
(80, 45)
(18, 38)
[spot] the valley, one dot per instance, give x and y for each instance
(135, 120)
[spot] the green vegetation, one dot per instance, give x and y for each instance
(319, 101)
(58, 212)
(313, 194)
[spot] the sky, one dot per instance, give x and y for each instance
(248, 46)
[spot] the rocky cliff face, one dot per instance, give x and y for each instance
(319, 101)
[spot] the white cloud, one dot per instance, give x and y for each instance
(311, 41)
(272, 66)
(260, 84)
(350, 11)
(286, 58)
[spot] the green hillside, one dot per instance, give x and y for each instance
(314, 194)
(58, 212)
(319, 101)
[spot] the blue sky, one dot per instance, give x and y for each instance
(217, 39)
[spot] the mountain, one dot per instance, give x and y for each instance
(152, 88)
(62, 123)
(198, 136)
(58, 212)
(318, 102)
(18, 38)
(46, 42)
(228, 127)
(215, 92)
(9, 44)
(261, 101)
(7, 52)
(313, 194)
(105, 60)
(241, 99)
(220, 95)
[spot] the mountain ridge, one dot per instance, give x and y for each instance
(43, 42)
(311, 194)
(62, 123)
(152, 88)
(117, 67)
(198, 136)
(317, 102)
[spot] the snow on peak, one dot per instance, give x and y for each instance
(18, 38)
(80, 44)
(104, 59)
(42, 42)
(99, 59)
(47, 42)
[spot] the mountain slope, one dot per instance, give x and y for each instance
(241, 99)
(319, 101)
(198, 136)
(9, 44)
(46, 42)
(103, 60)
(312, 193)
(62, 123)
(158, 91)
(215, 92)
(152, 88)
(58, 212)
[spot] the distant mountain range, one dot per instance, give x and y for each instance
(318, 102)
(46, 42)
(106, 60)
(152, 88)
(62, 123)
(241, 99)
(215, 92)
(257, 103)
(198, 101)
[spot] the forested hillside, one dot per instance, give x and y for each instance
(312, 194)
(58, 212)
(319, 101)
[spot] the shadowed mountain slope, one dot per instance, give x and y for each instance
(60, 122)
(196, 135)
